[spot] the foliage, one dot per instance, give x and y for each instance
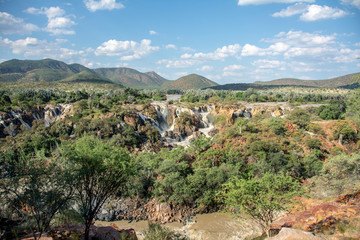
(157, 232)
(100, 172)
(333, 111)
(344, 132)
(36, 187)
(340, 175)
(261, 198)
(300, 117)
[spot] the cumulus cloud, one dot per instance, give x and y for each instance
(152, 32)
(181, 63)
(232, 74)
(93, 5)
(127, 50)
(355, 3)
(170, 46)
(205, 68)
(298, 8)
(234, 67)
(33, 47)
(259, 2)
(218, 54)
(311, 12)
(12, 25)
(316, 12)
(265, 63)
(274, 49)
(57, 22)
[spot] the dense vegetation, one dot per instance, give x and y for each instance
(319, 143)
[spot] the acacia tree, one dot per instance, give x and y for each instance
(36, 188)
(261, 198)
(100, 169)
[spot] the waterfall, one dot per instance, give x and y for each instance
(150, 122)
(73, 130)
(15, 115)
(162, 113)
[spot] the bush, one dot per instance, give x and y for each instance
(300, 117)
(261, 198)
(343, 132)
(339, 175)
(157, 232)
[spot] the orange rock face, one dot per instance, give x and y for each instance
(321, 216)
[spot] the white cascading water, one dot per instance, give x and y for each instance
(15, 115)
(163, 127)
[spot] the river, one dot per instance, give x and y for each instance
(210, 226)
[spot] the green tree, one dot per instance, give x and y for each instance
(261, 198)
(300, 117)
(101, 170)
(36, 187)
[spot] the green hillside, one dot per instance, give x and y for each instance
(23, 66)
(192, 81)
(86, 76)
(328, 83)
(131, 78)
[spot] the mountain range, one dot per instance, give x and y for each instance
(54, 71)
(49, 70)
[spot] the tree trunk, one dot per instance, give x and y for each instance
(87, 230)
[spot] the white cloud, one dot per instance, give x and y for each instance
(93, 5)
(232, 74)
(182, 63)
(275, 49)
(170, 46)
(316, 12)
(152, 32)
(265, 63)
(127, 50)
(12, 25)
(234, 67)
(219, 54)
(205, 68)
(300, 38)
(355, 3)
(259, 2)
(57, 22)
(311, 12)
(33, 47)
(303, 46)
(298, 8)
(188, 49)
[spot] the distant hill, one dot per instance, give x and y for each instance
(46, 70)
(342, 81)
(192, 81)
(132, 78)
(24, 66)
(88, 77)
(156, 77)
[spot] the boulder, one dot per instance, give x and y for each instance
(295, 234)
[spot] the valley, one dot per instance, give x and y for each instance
(184, 151)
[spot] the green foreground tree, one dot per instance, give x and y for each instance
(36, 187)
(100, 170)
(261, 198)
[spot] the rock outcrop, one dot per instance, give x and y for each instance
(153, 210)
(295, 234)
(96, 232)
(322, 216)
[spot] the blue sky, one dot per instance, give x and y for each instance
(228, 41)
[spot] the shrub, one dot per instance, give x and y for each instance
(157, 232)
(300, 117)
